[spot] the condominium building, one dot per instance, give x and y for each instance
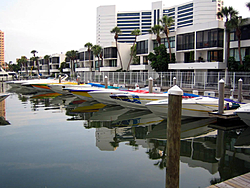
(44, 67)
(1, 48)
(187, 14)
(51, 66)
(109, 59)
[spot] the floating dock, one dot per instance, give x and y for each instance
(239, 182)
(228, 114)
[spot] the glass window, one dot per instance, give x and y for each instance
(146, 13)
(185, 41)
(210, 38)
(215, 56)
(145, 60)
(142, 47)
(185, 6)
(128, 14)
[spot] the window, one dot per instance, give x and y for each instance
(81, 56)
(183, 11)
(210, 38)
(145, 60)
(185, 41)
(128, 14)
(185, 6)
(215, 56)
(187, 14)
(110, 52)
(142, 47)
(146, 13)
(113, 63)
(235, 53)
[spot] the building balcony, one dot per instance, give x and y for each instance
(83, 69)
(107, 69)
(197, 65)
(54, 70)
(54, 63)
(139, 67)
(66, 70)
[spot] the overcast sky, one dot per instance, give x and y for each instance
(55, 26)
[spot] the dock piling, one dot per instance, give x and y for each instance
(78, 80)
(173, 137)
(60, 79)
(106, 82)
(150, 85)
(221, 96)
(174, 81)
(240, 90)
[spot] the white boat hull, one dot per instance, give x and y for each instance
(137, 100)
(244, 113)
(104, 96)
(193, 107)
(3, 96)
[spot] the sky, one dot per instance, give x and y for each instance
(58, 26)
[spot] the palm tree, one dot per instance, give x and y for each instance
(35, 59)
(97, 50)
(248, 5)
(157, 29)
(72, 55)
(228, 13)
(167, 22)
(235, 23)
(23, 62)
(136, 33)
(89, 46)
(46, 58)
(116, 30)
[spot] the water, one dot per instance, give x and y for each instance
(59, 141)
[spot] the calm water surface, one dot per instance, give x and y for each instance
(63, 141)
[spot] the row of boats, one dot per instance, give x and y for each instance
(139, 98)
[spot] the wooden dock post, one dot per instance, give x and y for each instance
(173, 136)
(150, 85)
(174, 81)
(60, 79)
(221, 96)
(240, 90)
(106, 82)
(78, 80)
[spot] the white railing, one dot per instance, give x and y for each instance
(198, 80)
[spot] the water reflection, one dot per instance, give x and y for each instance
(217, 151)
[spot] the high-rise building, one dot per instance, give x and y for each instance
(186, 14)
(1, 48)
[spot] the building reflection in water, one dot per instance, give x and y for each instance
(225, 152)
(3, 120)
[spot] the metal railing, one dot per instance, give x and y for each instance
(197, 80)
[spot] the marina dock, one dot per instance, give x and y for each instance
(228, 114)
(239, 182)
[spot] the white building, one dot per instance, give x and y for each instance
(53, 64)
(105, 22)
(109, 61)
(197, 34)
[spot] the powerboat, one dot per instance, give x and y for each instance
(103, 96)
(244, 113)
(3, 96)
(82, 91)
(191, 107)
(40, 84)
(137, 100)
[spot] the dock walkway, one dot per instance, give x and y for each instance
(237, 182)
